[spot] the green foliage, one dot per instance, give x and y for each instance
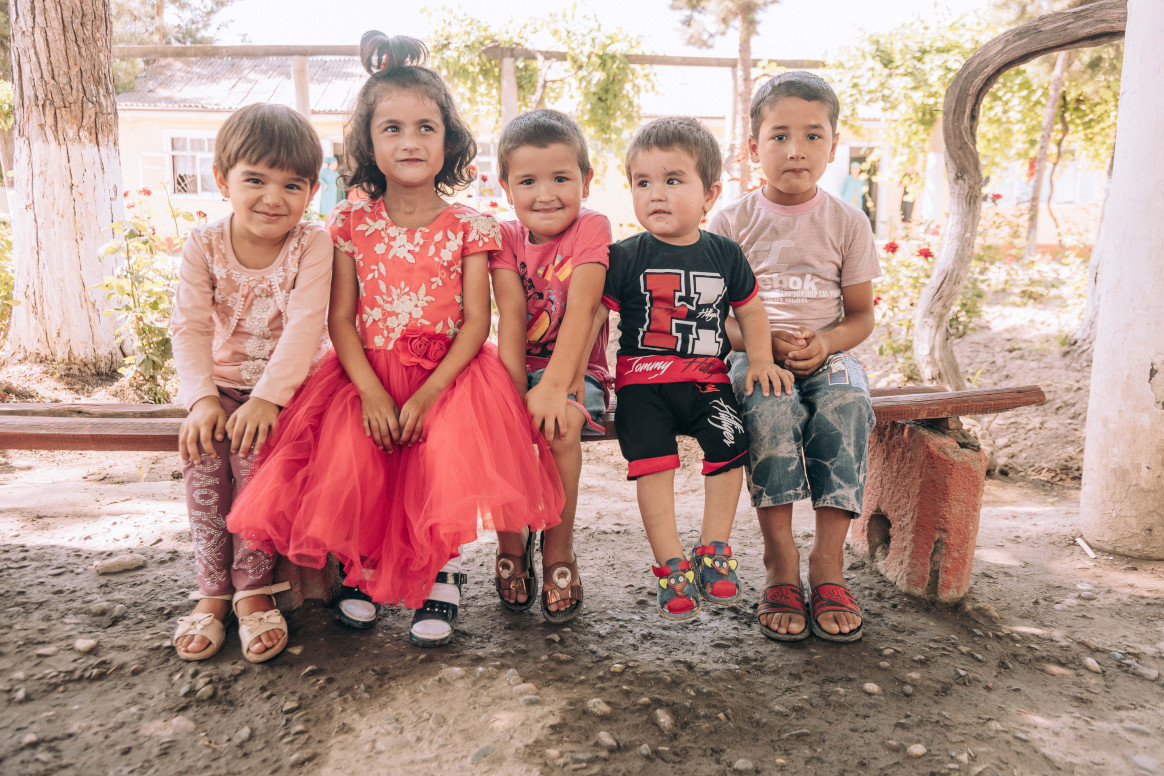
(7, 105)
(602, 88)
(7, 280)
(142, 293)
(904, 74)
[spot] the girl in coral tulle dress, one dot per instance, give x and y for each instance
(411, 430)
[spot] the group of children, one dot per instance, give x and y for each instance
(388, 449)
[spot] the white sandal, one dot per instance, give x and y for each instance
(256, 624)
(202, 624)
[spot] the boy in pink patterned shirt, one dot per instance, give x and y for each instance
(248, 323)
(548, 279)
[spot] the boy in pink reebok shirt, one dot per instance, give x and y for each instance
(814, 261)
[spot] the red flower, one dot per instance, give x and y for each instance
(201, 214)
(492, 203)
(925, 253)
(484, 178)
(877, 300)
(144, 191)
(935, 231)
(891, 247)
(995, 197)
(437, 348)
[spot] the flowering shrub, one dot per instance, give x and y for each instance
(905, 270)
(142, 291)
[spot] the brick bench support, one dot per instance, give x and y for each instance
(923, 497)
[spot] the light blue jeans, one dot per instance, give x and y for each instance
(812, 443)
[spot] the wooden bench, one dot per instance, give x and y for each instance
(923, 490)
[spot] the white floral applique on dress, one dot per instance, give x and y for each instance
(409, 280)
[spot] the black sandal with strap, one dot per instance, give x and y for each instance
(438, 610)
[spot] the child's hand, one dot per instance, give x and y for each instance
(203, 426)
(252, 422)
(548, 409)
(379, 416)
(784, 342)
(413, 412)
(768, 374)
(808, 359)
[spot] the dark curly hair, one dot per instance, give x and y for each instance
(397, 62)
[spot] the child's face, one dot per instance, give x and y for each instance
(668, 194)
(267, 201)
(795, 145)
(546, 188)
(408, 138)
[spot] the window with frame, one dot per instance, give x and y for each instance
(191, 163)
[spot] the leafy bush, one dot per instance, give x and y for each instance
(7, 280)
(142, 291)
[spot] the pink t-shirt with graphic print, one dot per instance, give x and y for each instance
(545, 272)
(803, 255)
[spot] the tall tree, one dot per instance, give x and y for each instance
(67, 178)
(706, 20)
(1123, 461)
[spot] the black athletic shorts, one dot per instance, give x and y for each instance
(648, 417)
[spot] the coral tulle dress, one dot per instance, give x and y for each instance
(394, 519)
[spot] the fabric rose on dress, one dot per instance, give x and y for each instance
(438, 346)
(422, 348)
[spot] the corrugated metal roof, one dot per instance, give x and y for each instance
(227, 84)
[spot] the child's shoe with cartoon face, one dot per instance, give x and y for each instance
(715, 573)
(677, 598)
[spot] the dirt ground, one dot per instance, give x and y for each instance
(1050, 665)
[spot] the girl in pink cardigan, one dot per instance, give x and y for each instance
(248, 324)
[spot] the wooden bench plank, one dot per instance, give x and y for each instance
(83, 433)
(154, 427)
(93, 410)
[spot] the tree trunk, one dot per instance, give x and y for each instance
(1049, 115)
(1123, 461)
(1089, 25)
(743, 97)
(68, 181)
(1083, 338)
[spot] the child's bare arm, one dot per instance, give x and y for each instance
(853, 329)
(546, 401)
(511, 324)
(378, 409)
(762, 368)
(472, 335)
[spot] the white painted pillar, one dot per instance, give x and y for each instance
(508, 88)
(1122, 503)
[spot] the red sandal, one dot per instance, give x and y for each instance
(784, 599)
(834, 598)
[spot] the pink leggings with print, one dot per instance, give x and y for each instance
(222, 562)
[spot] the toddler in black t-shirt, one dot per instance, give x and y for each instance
(673, 287)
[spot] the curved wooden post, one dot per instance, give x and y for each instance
(1089, 25)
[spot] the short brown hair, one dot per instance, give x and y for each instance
(686, 134)
(794, 83)
(274, 135)
(541, 128)
(395, 62)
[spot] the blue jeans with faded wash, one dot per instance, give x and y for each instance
(812, 443)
